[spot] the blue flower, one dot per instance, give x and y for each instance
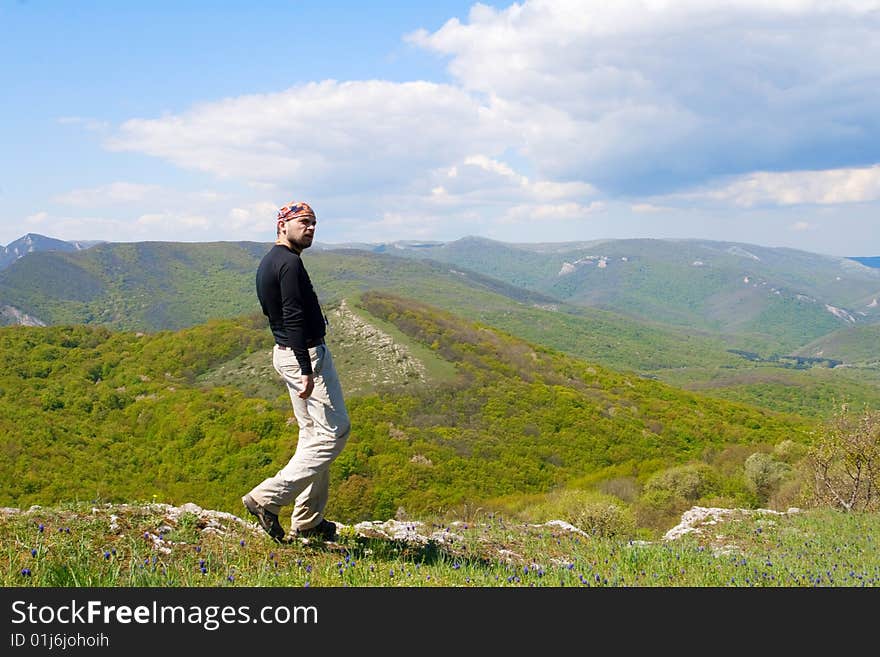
(34, 552)
(26, 572)
(106, 554)
(41, 527)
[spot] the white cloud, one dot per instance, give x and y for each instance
(480, 178)
(344, 136)
(832, 187)
(256, 218)
(556, 109)
(801, 226)
(538, 214)
(632, 96)
(641, 94)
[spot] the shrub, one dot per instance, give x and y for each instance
(763, 474)
(685, 482)
(605, 519)
(593, 512)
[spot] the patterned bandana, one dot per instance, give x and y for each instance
(295, 209)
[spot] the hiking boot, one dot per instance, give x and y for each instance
(325, 530)
(267, 519)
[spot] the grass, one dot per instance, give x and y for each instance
(154, 545)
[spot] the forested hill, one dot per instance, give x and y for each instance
(787, 296)
(118, 416)
(155, 286)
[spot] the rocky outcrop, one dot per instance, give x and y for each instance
(10, 315)
(394, 360)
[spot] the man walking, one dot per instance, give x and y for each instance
(303, 361)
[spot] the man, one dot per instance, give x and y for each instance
(303, 361)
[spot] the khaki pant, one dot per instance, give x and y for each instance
(323, 431)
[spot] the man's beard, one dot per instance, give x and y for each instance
(302, 244)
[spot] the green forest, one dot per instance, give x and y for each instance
(91, 414)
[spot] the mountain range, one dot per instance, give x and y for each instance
(32, 243)
(786, 329)
(645, 370)
(761, 299)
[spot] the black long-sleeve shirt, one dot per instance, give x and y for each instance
(289, 301)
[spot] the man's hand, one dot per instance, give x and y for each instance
(308, 384)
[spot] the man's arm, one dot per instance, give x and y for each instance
(293, 317)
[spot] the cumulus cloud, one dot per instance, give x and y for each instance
(344, 136)
(538, 215)
(639, 95)
(831, 187)
(479, 178)
(555, 108)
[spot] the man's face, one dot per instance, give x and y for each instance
(300, 232)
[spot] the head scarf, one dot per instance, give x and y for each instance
(294, 210)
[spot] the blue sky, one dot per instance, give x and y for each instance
(546, 120)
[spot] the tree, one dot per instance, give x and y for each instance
(845, 460)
